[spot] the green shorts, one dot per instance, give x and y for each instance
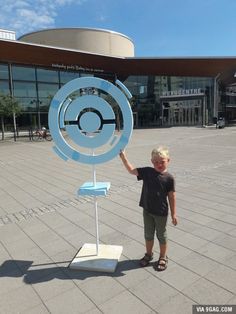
(154, 223)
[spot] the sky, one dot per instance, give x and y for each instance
(158, 28)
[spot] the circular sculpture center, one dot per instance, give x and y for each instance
(90, 122)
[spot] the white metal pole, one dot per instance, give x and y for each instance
(96, 219)
(96, 209)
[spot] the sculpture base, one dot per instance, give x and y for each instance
(105, 261)
(100, 189)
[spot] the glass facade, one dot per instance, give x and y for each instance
(228, 108)
(187, 101)
(157, 100)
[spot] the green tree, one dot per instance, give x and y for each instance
(9, 106)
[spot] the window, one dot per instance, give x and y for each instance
(47, 90)
(24, 89)
(68, 76)
(23, 73)
(4, 87)
(4, 75)
(44, 75)
(28, 104)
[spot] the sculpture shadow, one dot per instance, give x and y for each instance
(35, 273)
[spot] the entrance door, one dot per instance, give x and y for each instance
(190, 114)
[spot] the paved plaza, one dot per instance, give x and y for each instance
(43, 225)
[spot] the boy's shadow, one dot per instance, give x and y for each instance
(36, 273)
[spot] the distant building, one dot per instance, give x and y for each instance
(5, 34)
(166, 91)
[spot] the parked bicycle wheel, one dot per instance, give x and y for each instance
(48, 137)
(36, 136)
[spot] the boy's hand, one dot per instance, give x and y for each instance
(122, 154)
(174, 220)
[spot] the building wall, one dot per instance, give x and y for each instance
(90, 40)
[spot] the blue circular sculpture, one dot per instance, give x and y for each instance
(89, 120)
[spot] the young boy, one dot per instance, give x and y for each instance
(158, 187)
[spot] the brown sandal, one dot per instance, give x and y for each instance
(161, 264)
(145, 260)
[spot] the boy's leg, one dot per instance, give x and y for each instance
(149, 231)
(163, 250)
(149, 247)
(161, 264)
(161, 233)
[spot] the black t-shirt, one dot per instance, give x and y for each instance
(156, 187)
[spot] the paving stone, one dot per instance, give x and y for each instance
(187, 225)
(114, 237)
(11, 233)
(34, 227)
(177, 251)
(221, 225)
(130, 273)
(125, 302)
(40, 309)
(231, 262)
(54, 247)
(135, 250)
(224, 277)
(19, 300)
(52, 284)
(10, 279)
(4, 255)
(206, 292)
(94, 311)
(226, 241)
(27, 250)
(174, 233)
(198, 263)
(179, 277)
(71, 301)
(217, 253)
(178, 304)
(233, 232)
(78, 239)
(150, 291)
(232, 300)
(206, 233)
(102, 288)
(191, 241)
(217, 214)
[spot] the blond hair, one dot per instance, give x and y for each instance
(160, 151)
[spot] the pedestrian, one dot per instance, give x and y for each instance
(157, 196)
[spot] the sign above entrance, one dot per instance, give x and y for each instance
(183, 92)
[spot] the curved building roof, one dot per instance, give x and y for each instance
(92, 40)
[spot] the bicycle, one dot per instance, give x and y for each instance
(41, 134)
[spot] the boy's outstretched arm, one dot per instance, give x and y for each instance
(130, 168)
